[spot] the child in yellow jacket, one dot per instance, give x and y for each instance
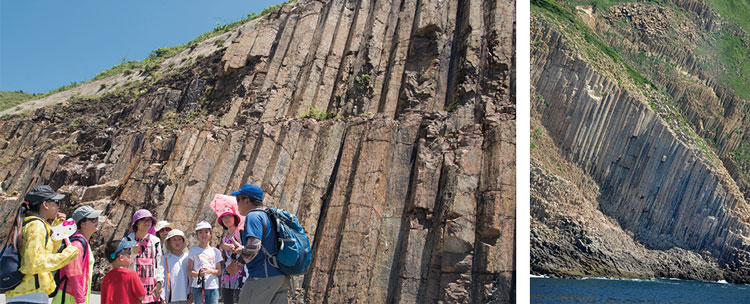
(38, 251)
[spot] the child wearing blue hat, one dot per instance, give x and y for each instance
(121, 285)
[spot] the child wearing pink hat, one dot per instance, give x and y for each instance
(146, 256)
(231, 246)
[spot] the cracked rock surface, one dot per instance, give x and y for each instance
(387, 128)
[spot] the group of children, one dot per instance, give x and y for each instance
(142, 274)
(141, 271)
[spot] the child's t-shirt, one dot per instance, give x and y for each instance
(207, 258)
(177, 281)
(122, 285)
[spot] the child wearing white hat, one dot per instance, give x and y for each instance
(177, 287)
(162, 229)
(204, 263)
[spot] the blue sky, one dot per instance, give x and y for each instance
(47, 44)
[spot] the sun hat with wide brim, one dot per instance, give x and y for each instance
(229, 212)
(173, 233)
(202, 225)
(163, 224)
(143, 213)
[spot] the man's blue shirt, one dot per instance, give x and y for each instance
(254, 227)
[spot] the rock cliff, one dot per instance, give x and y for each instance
(636, 189)
(387, 127)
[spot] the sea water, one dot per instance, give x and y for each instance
(550, 290)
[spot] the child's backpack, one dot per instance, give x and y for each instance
(10, 261)
(294, 251)
(63, 281)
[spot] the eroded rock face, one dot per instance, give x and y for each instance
(691, 78)
(647, 198)
(570, 236)
(404, 180)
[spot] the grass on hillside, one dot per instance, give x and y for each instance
(742, 157)
(598, 4)
(735, 11)
(567, 14)
(603, 4)
(735, 59)
(728, 57)
(153, 60)
(9, 99)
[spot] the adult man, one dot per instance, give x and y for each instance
(264, 283)
(76, 288)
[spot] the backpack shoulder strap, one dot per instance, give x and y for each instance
(82, 241)
(265, 226)
(46, 235)
(273, 220)
(46, 238)
(263, 233)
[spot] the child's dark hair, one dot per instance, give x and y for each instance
(234, 219)
(111, 248)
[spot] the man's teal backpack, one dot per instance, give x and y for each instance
(294, 251)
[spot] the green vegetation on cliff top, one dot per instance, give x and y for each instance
(732, 65)
(599, 4)
(589, 36)
(157, 56)
(735, 60)
(9, 99)
(727, 55)
(735, 11)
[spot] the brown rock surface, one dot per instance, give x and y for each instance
(622, 185)
(403, 176)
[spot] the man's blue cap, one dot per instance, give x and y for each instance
(123, 245)
(252, 191)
